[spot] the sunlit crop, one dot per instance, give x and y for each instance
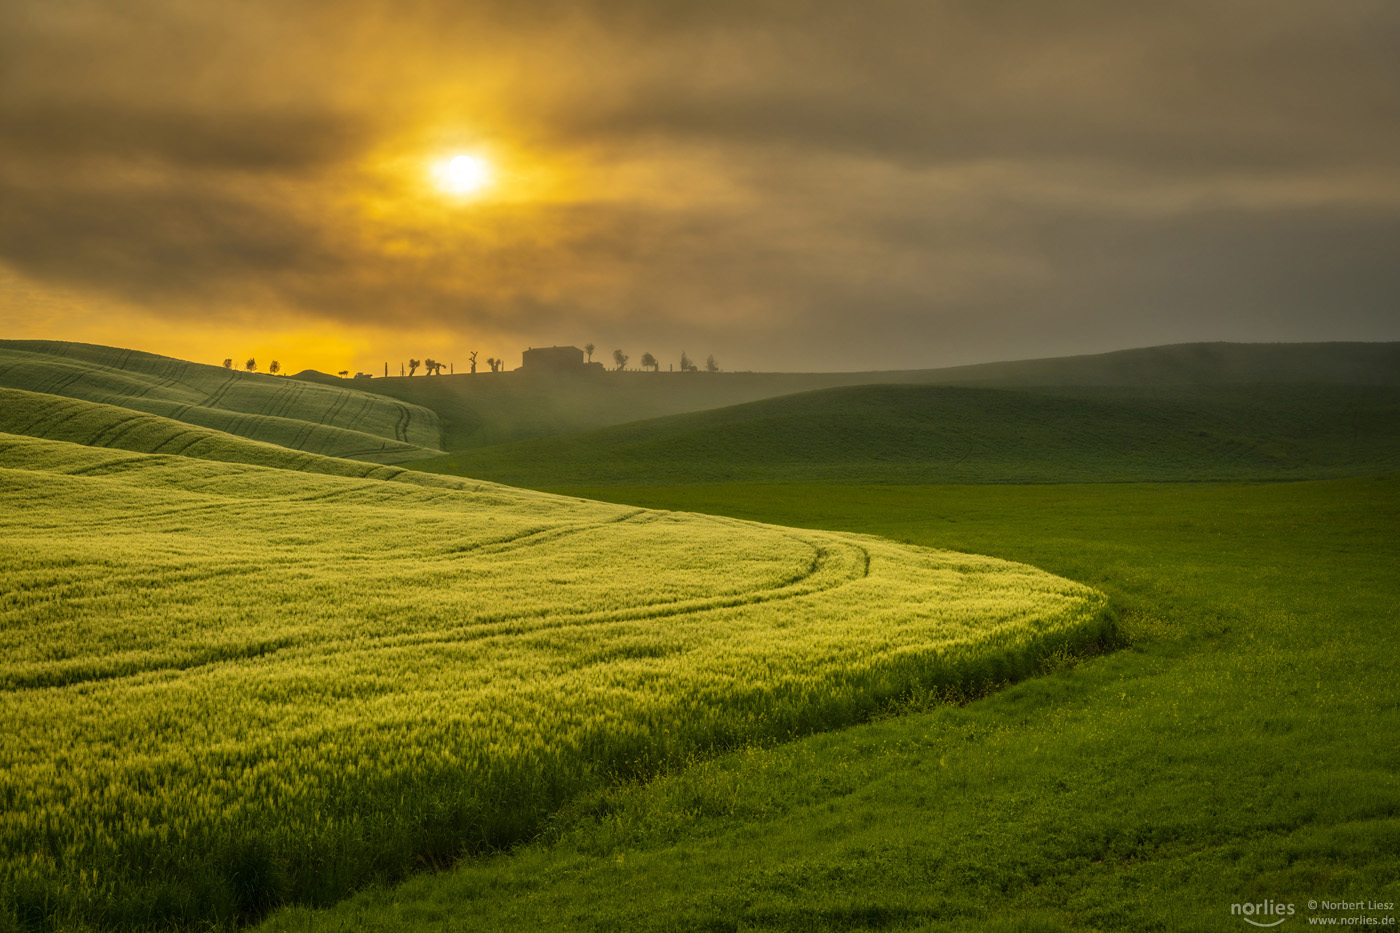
(329, 420)
(225, 686)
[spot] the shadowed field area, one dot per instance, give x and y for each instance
(946, 434)
(496, 408)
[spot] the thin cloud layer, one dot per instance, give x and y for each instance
(788, 185)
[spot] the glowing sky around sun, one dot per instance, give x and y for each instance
(785, 185)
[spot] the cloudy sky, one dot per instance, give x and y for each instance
(785, 185)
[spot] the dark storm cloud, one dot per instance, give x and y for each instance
(804, 184)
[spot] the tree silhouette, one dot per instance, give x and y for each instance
(473, 357)
(687, 365)
(228, 363)
(491, 361)
(649, 361)
(251, 365)
(274, 367)
(710, 365)
(413, 366)
(343, 373)
(589, 348)
(620, 359)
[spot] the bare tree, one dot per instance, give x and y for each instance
(710, 365)
(589, 348)
(228, 363)
(274, 367)
(649, 362)
(620, 359)
(413, 366)
(251, 365)
(473, 358)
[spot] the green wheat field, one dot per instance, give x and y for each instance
(266, 659)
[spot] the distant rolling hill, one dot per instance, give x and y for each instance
(1187, 364)
(92, 424)
(330, 420)
(493, 408)
(957, 434)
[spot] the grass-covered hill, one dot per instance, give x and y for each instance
(948, 434)
(493, 408)
(330, 420)
(1187, 364)
(227, 686)
(92, 424)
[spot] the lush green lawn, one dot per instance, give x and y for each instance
(1242, 749)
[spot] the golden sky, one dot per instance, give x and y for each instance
(784, 185)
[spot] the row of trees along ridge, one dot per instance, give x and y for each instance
(252, 365)
(687, 365)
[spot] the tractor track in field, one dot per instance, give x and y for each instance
(495, 627)
(329, 416)
(97, 440)
(73, 409)
(217, 395)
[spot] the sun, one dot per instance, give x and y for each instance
(462, 174)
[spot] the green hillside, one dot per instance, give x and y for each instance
(226, 687)
(493, 408)
(946, 434)
(334, 421)
(58, 418)
(1186, 364)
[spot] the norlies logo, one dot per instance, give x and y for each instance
(1264, 911)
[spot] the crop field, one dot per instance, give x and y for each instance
(93, 424)
(337, 422)
(227, 686)
(1241, 747)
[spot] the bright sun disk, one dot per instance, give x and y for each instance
(463, 174)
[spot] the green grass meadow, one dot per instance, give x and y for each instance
(1098, 644)
(1242, 748)
(229, 686)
